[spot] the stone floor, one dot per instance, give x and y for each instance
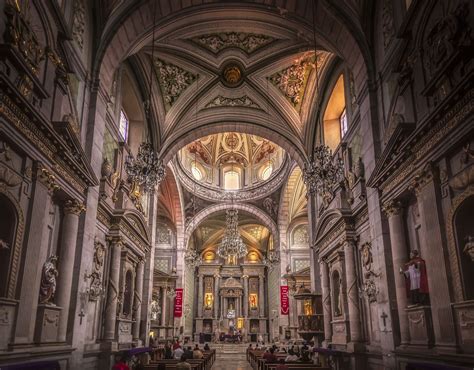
(231, 357)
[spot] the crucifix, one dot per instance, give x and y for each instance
(81, 315)
(384, 318)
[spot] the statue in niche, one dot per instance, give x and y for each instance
(469, 247)
(416, 279)
(48, 281)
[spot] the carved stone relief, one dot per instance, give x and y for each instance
(79, 22)
(173, 80)
(221, 101)
(248, 42)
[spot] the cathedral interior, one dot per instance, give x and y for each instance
(276, 171)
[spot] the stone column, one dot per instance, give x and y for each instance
(324, 271)
(352, 291)
(200, 294)
(113, 288)
(138, 299)
(36, 249)
(216, 295)
(428, 193)
(393, 210)
(163, 306)
(72, 210)
(261, 293)
(246, 295)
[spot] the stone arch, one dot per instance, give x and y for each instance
(248, 208)
(179, 139)
(17, 241)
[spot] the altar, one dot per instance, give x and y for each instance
(230, 301)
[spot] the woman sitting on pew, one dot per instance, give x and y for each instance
(292, 357)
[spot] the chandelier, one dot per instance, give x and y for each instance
(146, 169)
(321, 173)
(231, 244)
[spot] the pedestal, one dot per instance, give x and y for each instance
(420, 326)
(47, 323)
(464, 313)
(7, 316)
(124, 331)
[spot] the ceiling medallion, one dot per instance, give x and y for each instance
(232, 74)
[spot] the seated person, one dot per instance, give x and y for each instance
(197, 354)
(292, 357)
(269, 356)
(177, 353)
(188, 353)
(305, 357)
(206, 347)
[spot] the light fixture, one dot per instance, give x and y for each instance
(322, 172)
(147, 169)
(231, 245)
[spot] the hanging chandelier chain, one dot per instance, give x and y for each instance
(231, 244)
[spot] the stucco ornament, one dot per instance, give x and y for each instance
(48, 280)
(173, 80)
(248, 42)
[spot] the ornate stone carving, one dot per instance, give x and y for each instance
(21, 37)
(106, 169)
(448, 35)
(74, 207)
(370, 290)
(243, 101)
(232, 74)
(392, 208)
(173, 80)
(270, 206)
(388, 29)
(8, 177)
(47, 178)
(291, 81)
(469, 247)
(248, 42)
(79, 22)
(49, 275)
(366, 256)
(95, 289)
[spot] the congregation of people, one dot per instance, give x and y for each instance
(294, 353)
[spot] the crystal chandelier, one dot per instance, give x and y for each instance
(146, 169)
(231, 244)
(321, 173)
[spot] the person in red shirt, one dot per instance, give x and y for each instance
(121, 364)
(270, 357)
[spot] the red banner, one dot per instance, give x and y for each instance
(284, 300)
(178, 302)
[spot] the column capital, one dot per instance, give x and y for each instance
(115, 241)
(74, 207)
(392, 208)
(429, 173)
(245, 276)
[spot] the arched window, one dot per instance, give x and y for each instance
(196, 171)
(124, 126)
(231, 180)
(335, 124)
(128, 293)
(267, 172)
(7, 239)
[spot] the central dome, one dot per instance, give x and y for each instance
(231, 161)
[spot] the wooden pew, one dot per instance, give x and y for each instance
(296, 366)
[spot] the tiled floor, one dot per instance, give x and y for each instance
(231, 357)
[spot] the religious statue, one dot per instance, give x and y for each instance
(416, 279)
(48, 281)
(208, 300)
